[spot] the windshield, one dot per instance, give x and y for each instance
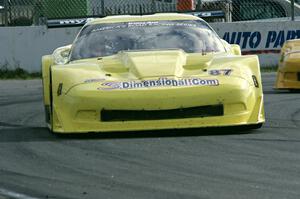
(192, 36)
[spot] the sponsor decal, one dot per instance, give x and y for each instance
(223, 72)
(161, 82)
(93, 80)
(218, 13)
(105, 27)
(68, 22)
(244, 39)
(75, 21)
(258, 42)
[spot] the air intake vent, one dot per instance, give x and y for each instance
(138, 115)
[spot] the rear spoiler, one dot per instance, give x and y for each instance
(60, 23)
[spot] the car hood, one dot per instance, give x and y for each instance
(145, 65)
(153, 64)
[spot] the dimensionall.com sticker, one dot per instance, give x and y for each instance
(161, 82)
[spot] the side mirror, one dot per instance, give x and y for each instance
(226, 44)
(61, 55)
(235, 49)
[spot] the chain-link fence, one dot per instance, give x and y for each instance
(264, 9)
(34, 12)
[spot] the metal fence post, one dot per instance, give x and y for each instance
(103, 8)
(153, 9)
(293, 10)
(198, 5)
(6, 12)
(229, 11)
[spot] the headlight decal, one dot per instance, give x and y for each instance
(59, 89)
(255, 81)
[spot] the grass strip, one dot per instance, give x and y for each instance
(18, 73)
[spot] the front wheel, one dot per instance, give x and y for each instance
(48, 118)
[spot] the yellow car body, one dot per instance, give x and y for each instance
(288, 74)
(152, 89)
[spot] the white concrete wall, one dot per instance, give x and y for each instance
(24, 46)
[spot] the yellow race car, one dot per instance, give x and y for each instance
(161, 71)
(288, 74)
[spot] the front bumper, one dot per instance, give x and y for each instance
(288, 80)
(80, 109)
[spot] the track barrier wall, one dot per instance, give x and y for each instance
(24, 46)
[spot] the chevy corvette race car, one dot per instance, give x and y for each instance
(161, 71)
(288, 74)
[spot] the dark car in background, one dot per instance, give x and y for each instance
(244, 10)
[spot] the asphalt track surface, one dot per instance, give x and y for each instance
(197, 163)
